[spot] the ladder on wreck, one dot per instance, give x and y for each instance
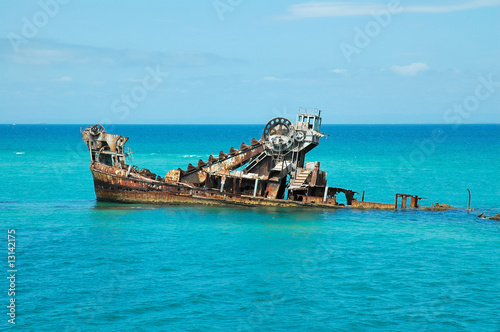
(255, 160)
(301, 178)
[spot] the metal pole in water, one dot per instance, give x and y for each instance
(468, 206)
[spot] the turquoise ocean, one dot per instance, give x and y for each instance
(82, 265)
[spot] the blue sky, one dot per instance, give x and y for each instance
(242, 61)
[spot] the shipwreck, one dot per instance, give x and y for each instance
(271, 171)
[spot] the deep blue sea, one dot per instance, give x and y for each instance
(88, 266)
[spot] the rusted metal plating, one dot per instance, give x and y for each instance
(271, 171)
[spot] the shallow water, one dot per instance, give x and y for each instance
(84, 265)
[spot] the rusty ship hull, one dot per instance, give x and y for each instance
(112, 186)
(272, 172)
(118, 188)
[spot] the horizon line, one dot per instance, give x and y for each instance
(240, 124)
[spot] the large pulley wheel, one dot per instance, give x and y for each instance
(300, 136)
(96, 130)
(278, 135)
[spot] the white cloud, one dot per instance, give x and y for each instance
(45, 52)
(410, 70)
(467, 5)
(313, 9)
(339, 71)
(330, 9)
(271, 78)
(63, 79)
